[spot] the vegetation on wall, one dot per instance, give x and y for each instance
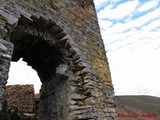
(54, 5)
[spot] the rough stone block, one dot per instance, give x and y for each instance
(20, 97)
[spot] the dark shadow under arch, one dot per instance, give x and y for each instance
(45, 54)
(39, 54)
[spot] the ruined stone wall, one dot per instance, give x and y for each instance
(69, 56)
(20, 97)
(20, 103)
(5, 57)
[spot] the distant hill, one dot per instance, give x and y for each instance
(138, 107)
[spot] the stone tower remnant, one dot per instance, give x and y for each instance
(61, 40)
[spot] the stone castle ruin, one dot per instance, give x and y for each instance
(61, 40)
(20, 103)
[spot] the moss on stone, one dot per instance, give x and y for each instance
(102, 69)
(54, 5)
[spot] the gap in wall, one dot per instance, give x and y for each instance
(21, 73)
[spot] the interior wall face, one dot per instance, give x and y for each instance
(6, 49)
(61, 40)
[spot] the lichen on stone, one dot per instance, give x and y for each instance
(54, 5)
(102, 69)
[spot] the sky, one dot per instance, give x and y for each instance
(131, 33)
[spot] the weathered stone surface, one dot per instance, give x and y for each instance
(20, 103)
(62, 71)
(20, 97)
(3, 32)
(6, 49)
(61, 40)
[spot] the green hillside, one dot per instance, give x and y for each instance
(147, 105)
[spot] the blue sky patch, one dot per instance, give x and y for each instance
(131, 33)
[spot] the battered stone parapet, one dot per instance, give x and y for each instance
(61, 40)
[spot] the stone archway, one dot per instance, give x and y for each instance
(49, 52)
(64, 46)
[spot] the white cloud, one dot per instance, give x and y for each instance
(99, 3)
(151, 25)
(147, 6)
(136, 72)
(104, 24)
(139, 22)
(144, 19)
(20, 73)
(135, 66)
(129, 39)
(119, 12)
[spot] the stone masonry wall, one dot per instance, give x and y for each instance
(6, 49)
(20, 103)
(61, 40)
(20, 97)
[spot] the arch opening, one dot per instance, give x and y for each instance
(22, 74)
(50, 62)
(38, 53)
